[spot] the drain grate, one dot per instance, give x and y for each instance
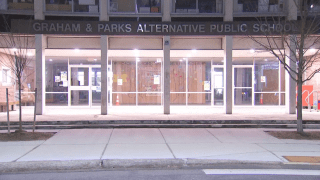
(304, 159)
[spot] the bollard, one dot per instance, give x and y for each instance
(8, 121)
(35, 108)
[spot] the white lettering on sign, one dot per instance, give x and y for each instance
(57, 27)
(171, 28)
(114, 28)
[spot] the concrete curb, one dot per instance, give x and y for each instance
(111, 164)
(8, 167)
(173, 163)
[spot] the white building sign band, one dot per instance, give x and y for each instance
(149, 28)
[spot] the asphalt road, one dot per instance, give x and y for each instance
(225, 172)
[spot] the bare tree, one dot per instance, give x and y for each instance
(16, 54)
(294, 42)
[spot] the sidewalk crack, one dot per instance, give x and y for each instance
(213, 135)
(106, 146)
(33, 148)
(167, 144)
(269, 151)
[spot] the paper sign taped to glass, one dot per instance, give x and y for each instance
(119, 82)
(63, 75)
(263, 79)
(156, 79)
(207, 85)
(65, 83)
(57, 79)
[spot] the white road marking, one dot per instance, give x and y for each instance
(263, 171)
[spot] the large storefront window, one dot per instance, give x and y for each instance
(266, 83)
(124, 82)
(149, 82)
(56, 82)
(199, 83)
(178, 81)
(190, 81)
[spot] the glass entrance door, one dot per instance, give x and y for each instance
(79, 86)
(96, 86)
(242, 85)
(218, 85)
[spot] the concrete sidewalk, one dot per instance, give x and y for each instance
(108, 148)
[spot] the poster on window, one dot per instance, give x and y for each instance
(98, 89)
(57, 79)
(156, 79)
(263, 79)
(65, 83)
(119, 82)
(207, 85)
(63, 76)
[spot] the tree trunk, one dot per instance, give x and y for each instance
(20, 112)
(299, 104)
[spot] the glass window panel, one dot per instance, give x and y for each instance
(209, 6)
(79, 76)
(59, 5)
(149, 6)
(178, 98)
(149, 98)
(218, 77)
(20, 4)
(266, 99)
(57, 75)
(178, 76)
(199, 99)
(96, 76)
(122, 6)
(149, 76)
(124, 76)
(5, 75)
(218, 96)
(243, 96)
(283, 99)
(283, 78)
(199, 77)
(27, 98)
(250, 5)
(242, 77)
(124, 99)
(185, 6)
(79, 98)
(28, 76)
(266, 76)
(96, 97)
(91, 6)
(53, 99)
